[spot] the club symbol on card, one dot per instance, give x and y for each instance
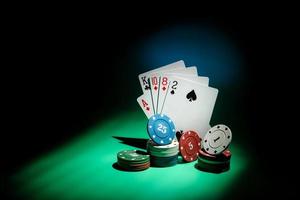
(147, 87)
(172, 92)
(191, 96)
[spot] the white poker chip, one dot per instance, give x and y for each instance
(172, 145)
(217, 139)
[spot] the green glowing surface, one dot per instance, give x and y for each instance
(82, 169)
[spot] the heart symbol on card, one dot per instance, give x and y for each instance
(191, 96)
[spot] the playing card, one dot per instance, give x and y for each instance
(143, 78)
(189, 104)
(203, 80)
(164, 86)
(157, 78)
(146, 104)
(192, 71)
(189, 71)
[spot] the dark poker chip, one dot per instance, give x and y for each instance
(213, 162)
(163, 161)
(212, 167)
(133, 160)
(224, 156)
(134, 167)
(133, 156)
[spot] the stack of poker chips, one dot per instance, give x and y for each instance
(214, 163)
(133, 160)
(163, 155)
(214, 155)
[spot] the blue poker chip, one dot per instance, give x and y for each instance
(161, 129)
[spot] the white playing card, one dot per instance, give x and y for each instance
(203, 80)
(154, 85)
(143, 78)
(189, 71)
(146, 104)
(164, 85)
(190, 105)
(155, 82)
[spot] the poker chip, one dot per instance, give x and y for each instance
(161, 129)
(227, 153)
(214, 163)
(224, 156)
(163, 155)
(163, 161)
(132, 155)
(163, 150)
(217, 139)
(134, 167)
(212, 167)
(189, 146)
(133, 160)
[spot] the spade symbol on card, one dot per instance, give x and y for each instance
(191, 96)
(174, 87)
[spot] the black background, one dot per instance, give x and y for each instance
(58, 62)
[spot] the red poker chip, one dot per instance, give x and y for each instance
(189, 146)
(227, 153)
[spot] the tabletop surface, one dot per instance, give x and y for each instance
(85, 168)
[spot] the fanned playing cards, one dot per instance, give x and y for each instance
(178, 92)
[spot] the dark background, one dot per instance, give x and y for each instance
(66, 73)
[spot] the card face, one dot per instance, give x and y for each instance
(189, 104)
(143, 78)
(178, 91)
(165, 82)
(189, 71)
(199, 79)
(145, 81)
(146, 104)
(158, 78)
(154, 85)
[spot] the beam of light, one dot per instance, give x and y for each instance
(215, 55)
(82, 169)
